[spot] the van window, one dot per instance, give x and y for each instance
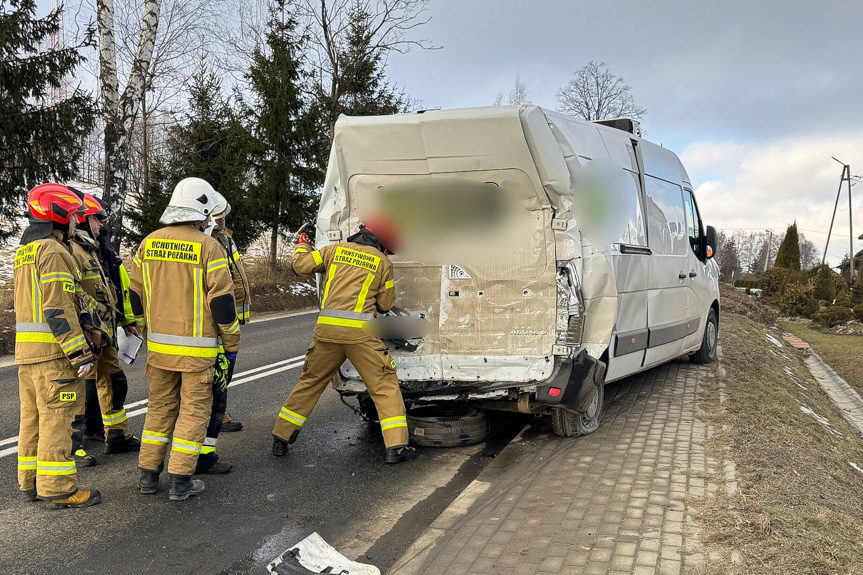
(634, 234)
(666, 223)
(693, 226)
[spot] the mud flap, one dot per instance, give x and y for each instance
(576, 393)
(314, 555)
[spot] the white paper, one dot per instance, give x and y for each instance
(128, 346)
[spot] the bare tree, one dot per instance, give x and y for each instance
(391, 26)
(594, 93)
(810, 255)
(120, 108)
(498, 100)
(518, 94)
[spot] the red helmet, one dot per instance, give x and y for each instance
(55, 203)
(94, 207)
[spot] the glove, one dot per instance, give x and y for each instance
(84, 370)
(232, 356)
(304, 239)
(220, 374)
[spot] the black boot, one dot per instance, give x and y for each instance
(183, 487)
(30, 495)
(148, 482)
(280, 447)
(401, 454)
(219, 466)
(83, 459)
(122, 444)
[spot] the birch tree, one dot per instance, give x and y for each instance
(120, 108)
(594, 93)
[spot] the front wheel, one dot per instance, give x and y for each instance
(568, 424)
(709, 342)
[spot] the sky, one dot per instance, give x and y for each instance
(755, 96)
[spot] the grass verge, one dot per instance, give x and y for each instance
(797, 507)
(844, 353)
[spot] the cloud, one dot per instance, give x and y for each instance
(770, 185)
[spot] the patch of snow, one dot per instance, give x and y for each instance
(855, 466)
(302, 288)
(773, 340)
(821, 419)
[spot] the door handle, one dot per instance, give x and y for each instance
(692, 274)
(681, 276)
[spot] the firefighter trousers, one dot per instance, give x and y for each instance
(104, 412)
(209, 457)
(375, 366)
(52, 412)
(177, 415)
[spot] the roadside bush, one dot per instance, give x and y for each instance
(857, 292)
(748, 283)
(843, 299)
(798, 300)
(825, 285)
(775, 281)
(858, 313)
(833, 315)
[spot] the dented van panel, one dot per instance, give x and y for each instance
(516, 317)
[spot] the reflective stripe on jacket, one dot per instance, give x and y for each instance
(183, 293)
(46, 313)
(94, 280)
(357, 280)
(242, 297)
(128, 315)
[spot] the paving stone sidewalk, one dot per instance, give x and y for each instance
(610, 503)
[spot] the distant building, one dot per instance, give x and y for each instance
(844, 267)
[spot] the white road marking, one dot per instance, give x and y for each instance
(239, 379)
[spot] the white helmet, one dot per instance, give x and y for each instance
(223, 208)
(193, 200)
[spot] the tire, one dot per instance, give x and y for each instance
(709, 341)
(568, 424)
(446, 426)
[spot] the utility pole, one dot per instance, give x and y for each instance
(846, 177)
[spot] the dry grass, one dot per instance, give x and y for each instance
(798, 508)
(844, 353)
(7, 319)
(277, 289)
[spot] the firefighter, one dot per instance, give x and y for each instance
(51, 351)
(106, 390)
(209, 461)
(242, 295)
(358, 281)
(183, 294)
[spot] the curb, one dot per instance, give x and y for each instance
(9, 360)
(843, 396)
(412, 561)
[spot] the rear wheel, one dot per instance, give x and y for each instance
(446, 426)
(568, 424)
(709, 342)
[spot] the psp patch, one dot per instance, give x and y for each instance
(69, 287)
(357, 259)
(68, 396)
(173, 251)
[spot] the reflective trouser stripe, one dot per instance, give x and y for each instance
(292, 417)
(332, 274)
(341, 322)
(316, 255)
(114, 418)
(184, 446)
(209, 445)
(361, 300)
(26, 462)
(391, 422)
(154, 437)
(55, 468)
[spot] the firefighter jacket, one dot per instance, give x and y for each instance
(242, 295)
(94, 280)
(358, 281)
(47, 325)
(182, 292)
(117, 275)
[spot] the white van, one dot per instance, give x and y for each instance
(540, 329)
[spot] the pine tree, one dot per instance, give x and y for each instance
(287, 131)
(211, 143)
(39, 140)
(789, 250)
(825, 285)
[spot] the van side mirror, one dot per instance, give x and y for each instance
(710, 242)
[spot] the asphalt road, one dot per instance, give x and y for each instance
(333, 481)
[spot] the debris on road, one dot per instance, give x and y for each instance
(314, 555)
